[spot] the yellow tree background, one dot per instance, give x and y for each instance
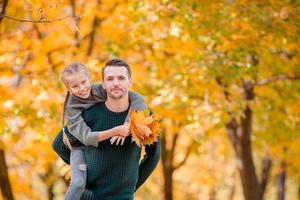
(224, 76)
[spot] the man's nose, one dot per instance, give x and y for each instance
(116, 82)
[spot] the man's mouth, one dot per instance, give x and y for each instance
(116, 90)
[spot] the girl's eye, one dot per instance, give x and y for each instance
(83, 82)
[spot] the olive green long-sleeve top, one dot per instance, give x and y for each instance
(113, 172)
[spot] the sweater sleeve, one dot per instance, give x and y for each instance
(87, 195)
(137, 102)
(149, 162)
(75, 122)
(99, 92)
(60, 148)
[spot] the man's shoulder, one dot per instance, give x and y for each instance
(97, 107)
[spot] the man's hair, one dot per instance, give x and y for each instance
(116, 63)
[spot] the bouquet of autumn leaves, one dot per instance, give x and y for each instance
(144, 127)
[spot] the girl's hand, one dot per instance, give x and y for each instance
(118, 139)
(122, 130)
(66, 141)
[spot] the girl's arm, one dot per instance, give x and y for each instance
(79, 129)
(137, 102)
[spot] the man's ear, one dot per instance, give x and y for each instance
(130, 81)
(103, 85)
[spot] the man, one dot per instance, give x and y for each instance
(114, 172)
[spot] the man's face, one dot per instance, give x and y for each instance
(116, 81)
(79, 85)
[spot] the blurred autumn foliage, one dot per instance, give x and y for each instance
(223, 75)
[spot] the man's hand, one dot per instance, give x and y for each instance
(118, 139)
(66, 141)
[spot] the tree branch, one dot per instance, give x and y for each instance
(174, 142)
(224, 88)
(276, 78)
(33, 21)
(5, 184)
(231, 128)
(267, 164)
(49, 56)
(163, 146)
(4, 5)
(186, 156)
(77, 21)
(96, 22)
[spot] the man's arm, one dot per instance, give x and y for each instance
(149, 162)
(60, 148)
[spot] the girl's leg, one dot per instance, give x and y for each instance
(78, 174)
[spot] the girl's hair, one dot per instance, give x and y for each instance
(69, 70)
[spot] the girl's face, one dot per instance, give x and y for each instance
(79, 84)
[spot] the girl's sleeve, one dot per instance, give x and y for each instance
(99, 92)
(75, 122)
(137, 102)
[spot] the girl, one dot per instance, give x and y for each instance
(82, 95)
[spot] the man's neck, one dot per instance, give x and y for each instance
(117, 105)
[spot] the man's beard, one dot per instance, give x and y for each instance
(116, 96)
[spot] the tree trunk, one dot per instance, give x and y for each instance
(212, 192)
(247, 172)
(167, 170)
(233, 187)
(167, 157)
(168, 184)
(4, 179)
(50, 192)
(242, 146)
(281, 182)
(240, 137)
(49, 179)
(267, 164)
(299, 189)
